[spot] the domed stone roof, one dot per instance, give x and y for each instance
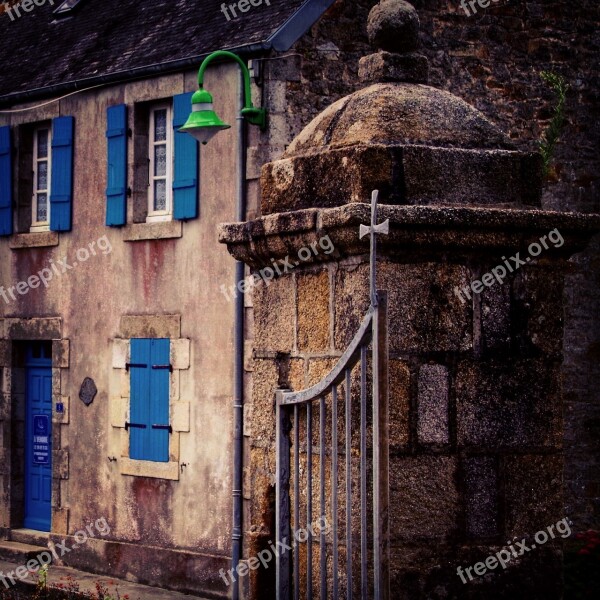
(398, 114)
(414, 143)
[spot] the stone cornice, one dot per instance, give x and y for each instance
(416, 232)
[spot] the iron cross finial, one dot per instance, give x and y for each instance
(374, 229)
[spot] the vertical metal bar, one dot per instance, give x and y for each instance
(296, 502)
(282, 499)
(380, 451)
(309, 491)
(322, 540)
(363, 473)
(348, 488)
(238, 361)
(334, 488)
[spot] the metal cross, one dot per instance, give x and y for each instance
(374, 229)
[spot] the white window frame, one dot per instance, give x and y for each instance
(167, 214)
(35, 224)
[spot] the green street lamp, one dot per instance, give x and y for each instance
(203, 123)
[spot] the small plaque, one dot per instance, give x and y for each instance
(88, 391)
(41, 439)
(60, 407)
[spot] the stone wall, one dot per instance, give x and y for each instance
(492, 60)
(476, 420)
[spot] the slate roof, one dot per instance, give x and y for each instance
(117, 39)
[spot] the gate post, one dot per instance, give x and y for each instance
(282, 499)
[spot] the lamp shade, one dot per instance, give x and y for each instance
(203, 123)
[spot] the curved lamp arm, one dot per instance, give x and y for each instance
(255, 116)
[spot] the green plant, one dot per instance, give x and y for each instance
(552, 133)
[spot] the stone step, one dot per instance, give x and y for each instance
(30, 536)
(20, 553)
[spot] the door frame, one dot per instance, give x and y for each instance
(13, 338)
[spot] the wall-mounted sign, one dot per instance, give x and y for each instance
(41, 439)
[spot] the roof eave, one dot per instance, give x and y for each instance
(298, 24)
(123, 76)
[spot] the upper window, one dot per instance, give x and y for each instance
(160, 153)
(164, 181)
(40, 204)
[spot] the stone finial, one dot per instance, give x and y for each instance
(393, 25)
(393, 29)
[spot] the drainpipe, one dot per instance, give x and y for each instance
(238, 364)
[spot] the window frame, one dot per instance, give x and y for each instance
(36, 160)
(154, 216)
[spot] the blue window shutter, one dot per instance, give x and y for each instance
(61, 192)
(185, 177)
(116, 190)
(5, 182)
(139, 416)
(158, 449)
(149, 400)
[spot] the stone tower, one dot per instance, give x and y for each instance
(474, 273)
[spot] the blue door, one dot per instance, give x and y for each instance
(38, 437)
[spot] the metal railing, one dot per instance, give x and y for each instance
(369, 548)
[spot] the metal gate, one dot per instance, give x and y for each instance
(362, 534)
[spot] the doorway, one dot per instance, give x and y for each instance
(38, 436)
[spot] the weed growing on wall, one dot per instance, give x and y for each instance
(552, 134)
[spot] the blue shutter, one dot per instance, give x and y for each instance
(5, 182)
(61, 193)
(185, 179)
(149, 400)
(116, 190)
(158, 438)
(139, 417)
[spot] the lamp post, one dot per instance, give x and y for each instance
(203, 123)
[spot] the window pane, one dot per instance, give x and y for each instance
(160, 125)
(42, 207)
(160, 195)
(42, 141)
(160, 160)
(42, 182)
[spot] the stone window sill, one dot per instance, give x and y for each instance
(147, 468)
(137, 232)
(38, 239)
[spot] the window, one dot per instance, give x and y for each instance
(160, 153)
(164, 181)
(40, 204)
(149, 426)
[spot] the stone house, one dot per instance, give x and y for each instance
(115, 291)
